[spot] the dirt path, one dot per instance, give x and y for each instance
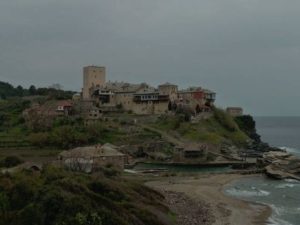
(163, 134)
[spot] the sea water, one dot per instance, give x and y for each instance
(282, 196)
(182, 168)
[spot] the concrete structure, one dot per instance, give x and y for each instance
(93, 77)
(92, 158)
(235, 111)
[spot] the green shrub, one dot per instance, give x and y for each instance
(11, 161)
(40, 139)
(58, 197)
(225, 120)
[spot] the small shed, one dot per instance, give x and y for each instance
(194, 150)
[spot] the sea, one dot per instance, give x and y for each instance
(282, 196)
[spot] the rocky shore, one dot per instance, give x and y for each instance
(187, 210)
(200, 200)
(281, 165)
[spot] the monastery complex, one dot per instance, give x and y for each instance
(141, 98)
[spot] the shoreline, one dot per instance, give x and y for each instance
(209, 189)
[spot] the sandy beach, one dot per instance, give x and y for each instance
(208, 190)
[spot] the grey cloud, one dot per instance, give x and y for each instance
(246, 50)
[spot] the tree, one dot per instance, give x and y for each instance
(90, 219)
(174, 106)
(56, 86)
(20, 91)
(198, 109)
(32, 90)
(11, 161)
(170, 106)
(3, 96)
(4, 207)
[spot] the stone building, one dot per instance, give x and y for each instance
(141, 98)
(49, 109)
(234, 111)
(194, 151)
(138, 98)
(91, 158)
(93, 77)
(169, 89)
(197, 98)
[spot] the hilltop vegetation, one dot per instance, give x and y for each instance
(120, 129)
(66, 132)
(217, 129)
(58, 197)
(54, 91)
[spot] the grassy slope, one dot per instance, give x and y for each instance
(12, 128)
(119, 129)
(58, 197)
(215, 130)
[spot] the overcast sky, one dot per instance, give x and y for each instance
(248, 51)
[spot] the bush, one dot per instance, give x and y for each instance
(67, 137)
(40, 139)
(11, 161)
(225, 120)
(75, 199)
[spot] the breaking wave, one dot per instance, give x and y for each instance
(277, 221)
(282, 186)
(292, 181)
(247, 193)
(290, 150)
(277, 212)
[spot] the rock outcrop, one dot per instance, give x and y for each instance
(281, 165)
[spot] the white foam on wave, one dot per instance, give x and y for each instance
(246, 193)
(277, 212)
(290, 150)
(282, 186)
(277, 221)
(292, 181)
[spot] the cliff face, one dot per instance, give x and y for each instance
(248, 125)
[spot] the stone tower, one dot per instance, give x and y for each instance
(93, 76)
(169, 89)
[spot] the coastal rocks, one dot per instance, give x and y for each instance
(278, 173)
(187, 211)
(281, 165)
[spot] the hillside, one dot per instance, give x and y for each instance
(153, 136)
(219, 128)
(57, 197)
